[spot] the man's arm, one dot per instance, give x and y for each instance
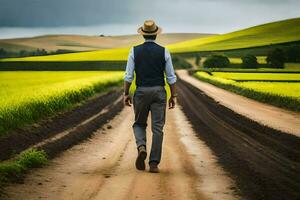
(171, 79)
(127, 97)
(128, 78)
(173, 96)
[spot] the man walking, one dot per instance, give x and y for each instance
(149, 61)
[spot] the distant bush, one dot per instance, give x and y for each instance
(249, 61)
(276, 58)
(4, 53)
(292, 53)
(25, 53)
(61, 51)
(180, 63)
(198, 60)
(216, 61)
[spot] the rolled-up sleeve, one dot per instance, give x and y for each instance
(129, 73)
(170, 73)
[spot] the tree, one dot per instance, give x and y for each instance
(180, 63)
(23, 53)
(40, 52)
(293, 53)
(3, 53)
(216, 61)
(276, 58)
(198, 59)
(249, 61)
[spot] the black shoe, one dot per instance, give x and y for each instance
(154, 167)
(140, 160)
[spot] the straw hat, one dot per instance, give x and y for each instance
(149, 28)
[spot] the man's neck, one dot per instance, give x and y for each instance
(149, 40)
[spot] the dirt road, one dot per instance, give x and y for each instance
(281, 119)
(265, 162)
(103, 168)
(210, 152)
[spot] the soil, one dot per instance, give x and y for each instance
(210, 152)
(263, 161)
(275, 117)
(103, 167)
(21, 139)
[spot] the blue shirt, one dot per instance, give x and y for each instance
(169, 70)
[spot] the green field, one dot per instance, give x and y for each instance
(253, 70)
(292, 66)
(263, 35)
(27, 96)
(282, 94)
(101, 55)
(260, 60)
(240, 76)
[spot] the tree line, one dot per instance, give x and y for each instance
(275, 59)
(24, 53)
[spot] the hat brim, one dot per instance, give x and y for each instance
(140, 31)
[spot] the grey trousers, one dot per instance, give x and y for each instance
(145, 100)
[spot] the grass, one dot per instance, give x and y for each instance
(63, 66)
(240, 76)
(14, 170)
(292, 66)
(26, 97)
(262, 35)
(100, 55)
(281, 94)
(260, 60)
(243, 70)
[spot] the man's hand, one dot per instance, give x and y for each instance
(172, 102)
(127, 100)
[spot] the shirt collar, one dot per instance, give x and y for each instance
(149, 40)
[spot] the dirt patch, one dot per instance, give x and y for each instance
(103, 168)
(263, 161)
(21, 139)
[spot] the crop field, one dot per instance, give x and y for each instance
(292, 66)
(258, 70)
(257, 86)
(260, 60)
(262, 35)
(27, 96)
(239, 76)
(256, 36)
(118, 54)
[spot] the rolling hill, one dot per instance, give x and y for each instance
(262, 35)
(89, 43)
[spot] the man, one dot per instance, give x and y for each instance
(149, 61)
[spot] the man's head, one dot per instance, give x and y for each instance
(149, 30)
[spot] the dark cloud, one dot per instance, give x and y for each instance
(211, 15)
(63, 12)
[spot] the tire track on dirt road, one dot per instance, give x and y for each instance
(263, 161)
(103, 168)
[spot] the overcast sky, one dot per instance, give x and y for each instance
(124, 16)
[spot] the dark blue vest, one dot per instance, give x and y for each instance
(149, 60)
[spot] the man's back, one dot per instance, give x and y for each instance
(149, 59)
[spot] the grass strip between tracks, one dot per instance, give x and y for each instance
(15, 169)
(287, 102)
